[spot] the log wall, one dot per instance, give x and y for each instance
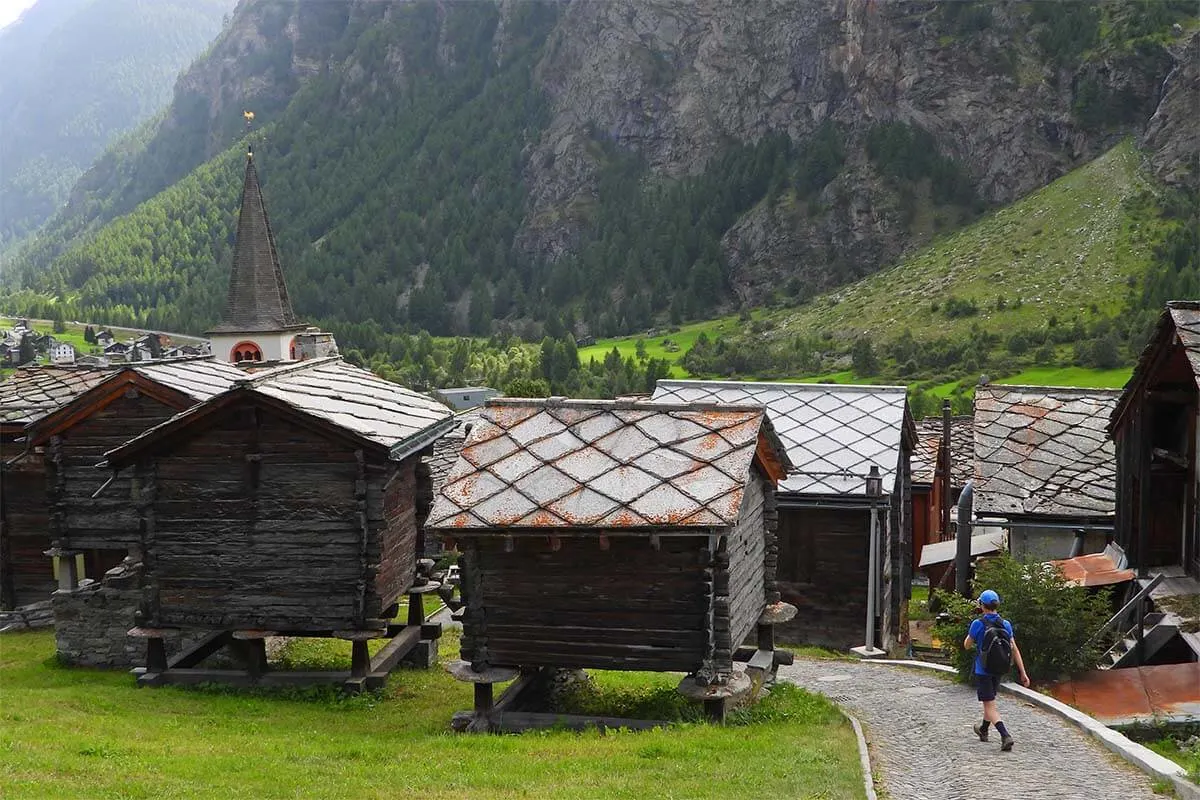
(823, 572)
(257, 522)
(625, 607)
(747, 554)
(26, 575)
(108, 522)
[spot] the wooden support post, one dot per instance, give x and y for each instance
(416, 609)
(156, 654)
(714, 710)
(483, 699)
(360, 659)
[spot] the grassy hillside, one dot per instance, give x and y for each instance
(1070, 250)
(667, 344)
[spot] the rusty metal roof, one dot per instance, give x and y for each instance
(602, 464)
(833, 433)
(33, 392)
(962, 450)
(1044, 451)
(335, 392)
(1094, 569)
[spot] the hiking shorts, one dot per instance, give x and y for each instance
(986, 687)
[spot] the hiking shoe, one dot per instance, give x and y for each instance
(1006, 743)
(980, 732)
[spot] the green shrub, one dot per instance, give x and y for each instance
(1052, 619)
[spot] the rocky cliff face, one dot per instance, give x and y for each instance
(677, 80)
(1172, 137)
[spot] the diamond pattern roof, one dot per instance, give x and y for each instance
(1044, 450)
(31, 393)
(962, 450)
(589, 463)
(832, 433)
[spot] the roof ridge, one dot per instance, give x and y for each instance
(620, 405)
(254, 379)
(1073, 389)
(1190, 305)
(864, 387)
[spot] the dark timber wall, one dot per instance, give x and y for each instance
(746, 549)
(108, 522)
(626, 607)
(258, 522)
(26, 575)
(823, 572)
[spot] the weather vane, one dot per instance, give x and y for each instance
(249, 117)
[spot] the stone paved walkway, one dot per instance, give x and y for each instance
(918, 726)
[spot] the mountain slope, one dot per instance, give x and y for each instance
(510, 166)
(77, 73)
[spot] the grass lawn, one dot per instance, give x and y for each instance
(657, 346)
(1071, 376)
(1186, 757)
(70, 733)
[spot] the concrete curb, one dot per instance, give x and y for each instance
(864, 755)
(1141, 757)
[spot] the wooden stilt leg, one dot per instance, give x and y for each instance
(360, 659)
(156, 654)
(714, 709)
(256, 656)
(416, 609)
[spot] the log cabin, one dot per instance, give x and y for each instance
(1045, 468)
(834, 435)
(613, 535)
(287, 504)
(73, 439)
(26, 575)
(1155, 426)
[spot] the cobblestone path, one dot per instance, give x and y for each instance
(918, 726)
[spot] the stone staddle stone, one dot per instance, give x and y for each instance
(777, 614)
(735, 688)
(463, 671)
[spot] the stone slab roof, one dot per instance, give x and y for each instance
(334, 392)
(833, 433)
(446, 449)
(31, 393)
(1044, 451)
(258, 297)
(199, 378)
(603, 464)
(962, 450)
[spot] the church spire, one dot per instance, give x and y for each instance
(258, 297)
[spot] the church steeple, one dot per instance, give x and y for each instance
(258, 298)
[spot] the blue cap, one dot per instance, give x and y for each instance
(989, 598)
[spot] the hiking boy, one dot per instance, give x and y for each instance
(991, 636)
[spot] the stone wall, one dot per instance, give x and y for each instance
(92, 622)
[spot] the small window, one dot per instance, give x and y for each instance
(245, 351)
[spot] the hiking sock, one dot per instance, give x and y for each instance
(1003, 731)
(983, 727)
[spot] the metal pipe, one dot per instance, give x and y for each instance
(944, 459)
(1077, 545)
(872, 579)
(962, 551)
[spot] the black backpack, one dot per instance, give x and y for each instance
(995, 648)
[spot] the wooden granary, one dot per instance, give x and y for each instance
(73, 439)
(287, 505)
(613, 535)
(26, 575)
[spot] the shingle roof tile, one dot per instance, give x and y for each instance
(31, 393)
(1042, 450)
(575, 464)
(833, 434)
